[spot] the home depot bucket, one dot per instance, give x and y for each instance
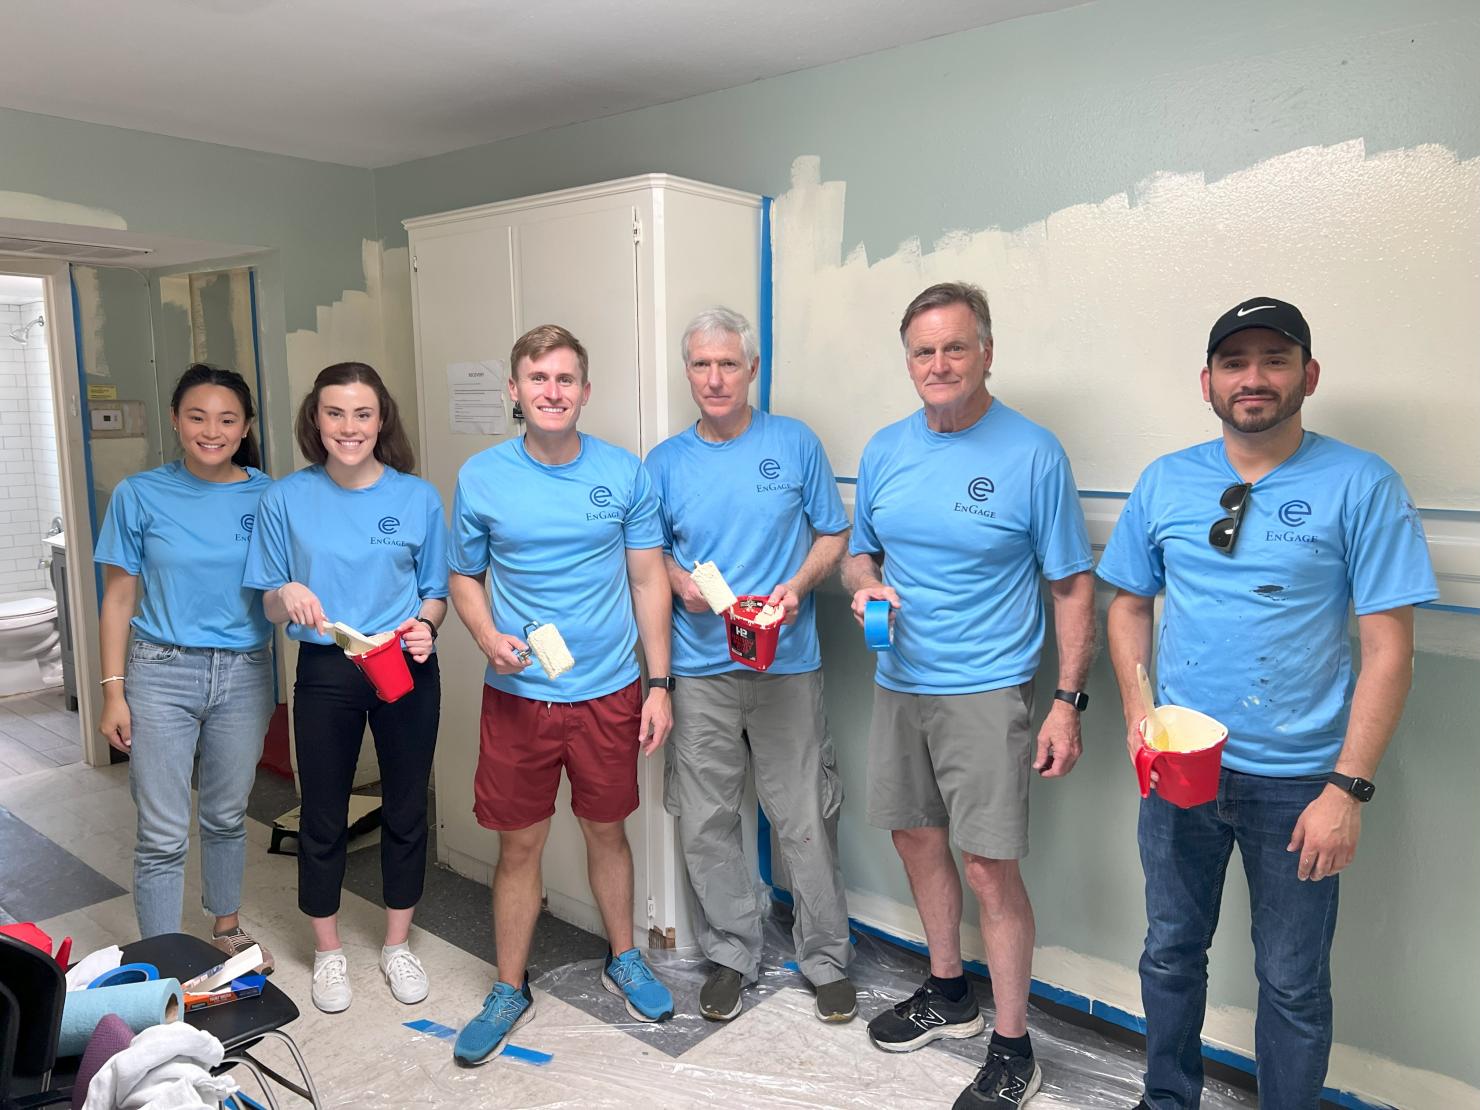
(1187, 768)
(751, 643)
(385, 667)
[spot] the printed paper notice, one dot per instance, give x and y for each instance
(475, 397)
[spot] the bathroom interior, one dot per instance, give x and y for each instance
(125, 321)
(39, 724)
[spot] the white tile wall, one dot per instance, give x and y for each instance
(30, 493)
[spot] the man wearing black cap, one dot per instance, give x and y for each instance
(1264, 541)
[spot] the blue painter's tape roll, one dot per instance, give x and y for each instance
(876, 632)
(127, 973)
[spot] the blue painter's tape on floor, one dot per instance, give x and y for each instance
(528, 1055)
(430, 1028)
(791, 965)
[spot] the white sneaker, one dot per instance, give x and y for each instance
(331, 991)
(406, 976)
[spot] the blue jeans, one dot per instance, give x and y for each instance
(1184, 853)
(184, 703)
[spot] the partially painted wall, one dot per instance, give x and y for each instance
(1325, 151)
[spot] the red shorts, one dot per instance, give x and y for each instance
(524, 743)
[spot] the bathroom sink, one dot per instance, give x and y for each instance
(58, 542)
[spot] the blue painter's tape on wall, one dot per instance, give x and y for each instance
(763, 325)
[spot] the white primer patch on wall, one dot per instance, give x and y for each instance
(1101, 311)
(349, 330)
(33, 206)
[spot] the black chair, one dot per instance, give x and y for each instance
(34, 990)
(239, 1026)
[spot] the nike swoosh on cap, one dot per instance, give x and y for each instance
(1256, 308)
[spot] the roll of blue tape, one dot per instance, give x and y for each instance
(876, 631)
(127, 973)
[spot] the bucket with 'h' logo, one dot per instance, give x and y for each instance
(752, 642)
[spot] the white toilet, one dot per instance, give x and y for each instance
(30, 644)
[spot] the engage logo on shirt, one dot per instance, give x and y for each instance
(247, 522)
(601, 497)
(771, 470)
(979, 490)
(1293, 515)
(388, 526)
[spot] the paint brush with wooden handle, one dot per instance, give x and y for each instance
(1156, 733)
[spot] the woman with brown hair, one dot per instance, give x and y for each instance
(355, 538)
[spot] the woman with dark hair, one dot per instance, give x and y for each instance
(197, 680)
(355, 538)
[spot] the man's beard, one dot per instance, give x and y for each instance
(1249, 423)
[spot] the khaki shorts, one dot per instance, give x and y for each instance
(957, 761)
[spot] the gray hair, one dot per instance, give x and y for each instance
(720, 320)
(946, 294)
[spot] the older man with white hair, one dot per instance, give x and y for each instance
(754, 494)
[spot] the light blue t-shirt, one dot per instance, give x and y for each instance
(967, 521)
(1258, 639)
(556, 540)
(753, 505)
(186, 539)
(371, 555)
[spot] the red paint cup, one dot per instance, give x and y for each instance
(385, 667)
(751, 643)
(1187, 769)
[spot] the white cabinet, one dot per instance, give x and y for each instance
(624, 265)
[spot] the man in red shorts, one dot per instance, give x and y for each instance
(569, 525)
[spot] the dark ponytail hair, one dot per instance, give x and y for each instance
(392, 447)
(201, 373)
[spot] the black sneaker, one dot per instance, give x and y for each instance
(925, 1016)
(719, 997)
(1006, 1079)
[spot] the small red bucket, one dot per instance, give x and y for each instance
(751, 643)
(1187, 775)
(385, 667)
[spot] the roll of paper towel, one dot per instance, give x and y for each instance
(140, 1005)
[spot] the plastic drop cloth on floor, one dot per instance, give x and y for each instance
(776, 1053)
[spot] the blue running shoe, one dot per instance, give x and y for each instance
(629, 978)
(504, 1010)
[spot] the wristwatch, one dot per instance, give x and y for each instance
(662, 682)
(1077, 698)
(429, 624)
(1360, 789)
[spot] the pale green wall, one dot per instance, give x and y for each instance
(1003, 126)
(314, 214)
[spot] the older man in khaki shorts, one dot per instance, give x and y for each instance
(961, 508)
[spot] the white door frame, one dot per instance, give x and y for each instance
(67, 407)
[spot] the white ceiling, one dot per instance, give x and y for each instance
(375, 82)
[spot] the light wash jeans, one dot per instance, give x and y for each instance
(187, 703)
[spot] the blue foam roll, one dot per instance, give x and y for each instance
(127, 973)
(876, 631)
(140, 1005)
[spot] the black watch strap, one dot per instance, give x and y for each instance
(427, 621)
(1360, 789)
(1077, 698)
(662, 682)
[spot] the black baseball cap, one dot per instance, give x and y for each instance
(1261, 312)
